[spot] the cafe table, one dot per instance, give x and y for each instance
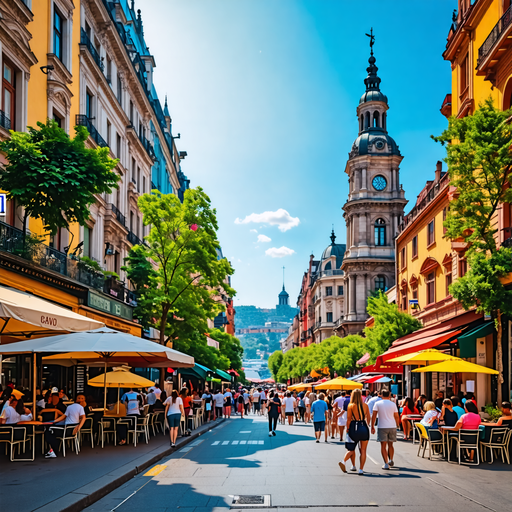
(413, 418)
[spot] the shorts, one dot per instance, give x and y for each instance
(386, 435)
(173, 420)
(319, 426)
(263, 401)
(289, 414)
(342, 421)
(218, 411)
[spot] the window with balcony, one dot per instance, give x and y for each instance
(109, 70)
(431, 236)
(380, 232)
(58, 31)
(328, 291)
(8, 95)
(89, 104)
(87, 241)
(414, 246)
(463, 266)
(431, 288)
(329, 317)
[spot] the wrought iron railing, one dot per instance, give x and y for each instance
(85, 41)
(83, 120)
(5, 122)
(500, 27)
(133, 238)
(120, 217)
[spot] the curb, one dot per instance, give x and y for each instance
(83, 497)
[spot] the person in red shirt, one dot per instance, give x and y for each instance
(409, 409)
(187, 403)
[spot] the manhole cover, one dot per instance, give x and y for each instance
(260, 500)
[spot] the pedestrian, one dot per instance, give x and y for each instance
(247, 402)
(187, 406)
(302, 406)
(228, 400)
(341, 414)
(289, 403)
(219, 403)
(358, 432)
(307, 403)
(320, 412)
(334, 416)
(372, 401)
(173, 412)
(408, 409)
(263, 400)
(389, 421)
(208, 399)
(256, 401)
(274, 410)
(240, 401)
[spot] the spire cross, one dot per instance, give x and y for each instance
(372, 40)
(283, 278)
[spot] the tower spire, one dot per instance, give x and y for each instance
(372, 81)
(283, 279)
(333, 236)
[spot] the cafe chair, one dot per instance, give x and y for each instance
(87, 430)
(499, 440)
(159, 421)
(68, 436)
(139, 426)
(145, 410)
(15, 437)
(107, 427)
(429, 437)
(198, 417)
(466, 439)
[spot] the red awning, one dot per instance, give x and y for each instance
(234, 372)
(364, 359)
(386, 369)
(372, 379)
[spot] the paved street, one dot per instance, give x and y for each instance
(238, 458)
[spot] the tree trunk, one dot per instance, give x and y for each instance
(499, 357)
(163, 323)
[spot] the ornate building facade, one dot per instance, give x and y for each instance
(374, 208)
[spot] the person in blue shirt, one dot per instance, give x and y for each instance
(319, 411)
(456, 406)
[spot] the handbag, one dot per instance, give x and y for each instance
(358, 429)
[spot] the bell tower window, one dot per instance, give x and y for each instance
(376, 119)
(380, 232)
(367, 121)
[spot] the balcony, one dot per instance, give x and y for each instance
(120, 217)
(133, 238)
(498, 40)
(82, 120)
(5, 122)
(338, 322)
(85, 41)
(328, 273)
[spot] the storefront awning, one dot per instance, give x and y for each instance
(223, 375)
(198, 371)
(25, 314)
(363, 359)
(383, 368)
(467, 342)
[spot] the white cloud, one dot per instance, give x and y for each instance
(280, 218)
(254, 230)
(264, 239)
(283, 251)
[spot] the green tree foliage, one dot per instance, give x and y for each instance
(389, 324)
(479, 158)
(182, 292)
(53, 177)
(230, 347)
(196, 346)
(274, 363)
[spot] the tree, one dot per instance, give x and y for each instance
(389, 324)
(230, 347)
(479, 161)
(53, 177)
(274, 363)
(182, 293)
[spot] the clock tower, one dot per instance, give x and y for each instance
(375, 205)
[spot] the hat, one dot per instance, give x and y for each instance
(55, 390)
(18, 394)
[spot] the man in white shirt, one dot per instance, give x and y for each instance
(389, 420)
(74, 415)
(370, 402)
(219, 404)
(256, 402)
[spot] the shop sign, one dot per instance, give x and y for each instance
(110, 306)
(3, 204)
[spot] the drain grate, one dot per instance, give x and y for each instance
(259, 500)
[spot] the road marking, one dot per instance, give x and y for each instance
(253, 442)
(243, 442)
(195, 443)
(185, 450)
(224, 443)
(261, 442)
(235, 442)
(156, 470)
(215, 443)
(245, 432)
(373, 460)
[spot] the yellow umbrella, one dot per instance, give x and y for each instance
(456, 365)
(339, 383)
(423, 357)
(299, 387)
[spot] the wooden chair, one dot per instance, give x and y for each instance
(499, 440)
(427, 437)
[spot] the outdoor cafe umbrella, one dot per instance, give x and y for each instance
(104, 346)
(299, 387)
(423, 357)
(119, 378)
(339, 383)
(456, 365)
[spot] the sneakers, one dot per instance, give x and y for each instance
(273, 432)
(342, 467)
(360, 472)
(270, 434)
(386, 466)
(50, 455)
(173, 445)
(391, 463)
(353, 468)
(318, 440)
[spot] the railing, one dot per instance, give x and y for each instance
(133, 238)
(120, 217)
(334, 272)
(496, 32)
(83, 120)
(85, 41)
(338, 322)
(5, 122)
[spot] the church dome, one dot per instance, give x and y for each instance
(375, 143)
(337, 250)
(373, 95)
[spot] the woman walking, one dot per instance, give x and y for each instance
(173, 412)
(274, 406)
(358, 417)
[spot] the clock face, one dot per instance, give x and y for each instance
(379, 144)
(379, 183)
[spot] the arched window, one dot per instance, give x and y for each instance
(384, 120)
(507, 95)
(380, 232)
(380, 283)
(376, 119)
(328, 266)
(361, 124)
(367, 120)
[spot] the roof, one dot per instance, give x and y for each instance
(337, 250)
(373, 96)
(374, 141)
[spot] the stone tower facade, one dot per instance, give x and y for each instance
(375, 205)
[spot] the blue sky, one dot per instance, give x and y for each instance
(264, 94)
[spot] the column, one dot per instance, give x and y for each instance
(364, 185)
(356, 229)
(353, 284)
(362, 223)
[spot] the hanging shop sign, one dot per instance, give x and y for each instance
(113, 307)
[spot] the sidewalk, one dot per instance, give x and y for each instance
(74, 482)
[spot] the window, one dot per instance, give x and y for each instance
(143, 184)
(329, 317)
(328, 291)
(380, 232)
(431, 237)
(138, 179)
(118, 145)
(403, 261)
(431, 288)
(119, 90)
(57, 34)
(131, 222)
(445, 213)
(131, 112)
(9, 93)
(88, 104)
(448, 283)
(463, 75)
(87, 241)
(415, 247)
(463, 266)
(109, 70)
(340, 290)
(404, 299)
(415, 292)
(380, 283)
(57, 119)
(134, 168)
(109, 132)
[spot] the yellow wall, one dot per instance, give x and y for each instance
(437, 250)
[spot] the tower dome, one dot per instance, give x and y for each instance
(334, 249)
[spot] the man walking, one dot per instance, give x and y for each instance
(389, 421)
